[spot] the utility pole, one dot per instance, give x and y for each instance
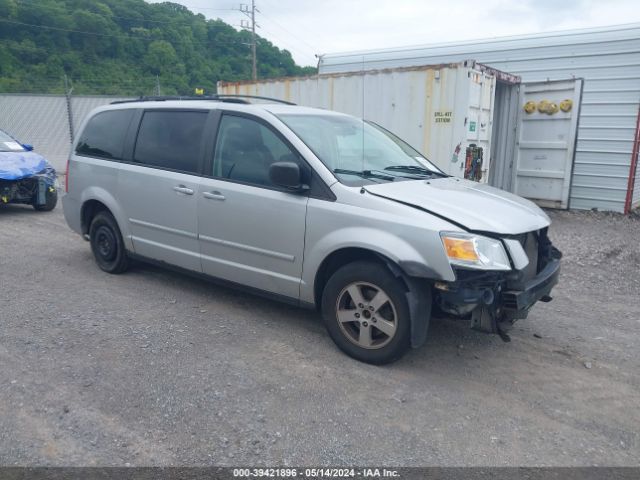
(250, 12)
(158, 85)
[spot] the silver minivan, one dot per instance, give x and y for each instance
(309, 206)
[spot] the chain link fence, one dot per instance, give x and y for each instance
(48, 122)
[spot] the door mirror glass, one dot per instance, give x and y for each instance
(287, 175)
(28, 147)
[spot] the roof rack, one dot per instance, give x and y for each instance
(228, 98)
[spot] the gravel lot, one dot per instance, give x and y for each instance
(157, 368)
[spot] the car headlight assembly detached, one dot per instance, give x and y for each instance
(475, 251)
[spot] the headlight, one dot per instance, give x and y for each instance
(475, 251)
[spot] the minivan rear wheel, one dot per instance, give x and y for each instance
(107, 245)
(366, 312)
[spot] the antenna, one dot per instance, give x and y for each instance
(363, 110)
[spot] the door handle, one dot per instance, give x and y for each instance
(184, 190)
(213, 195)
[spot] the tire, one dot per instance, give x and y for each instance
(387, 321)
(51, 200)
(107, 245)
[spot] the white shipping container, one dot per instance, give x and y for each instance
(440, 110)
(603, 63)
(471, 120)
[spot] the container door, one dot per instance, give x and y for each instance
(478, 124)
(547, 126)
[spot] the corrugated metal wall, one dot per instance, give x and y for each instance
(607, 58)
(43, 121)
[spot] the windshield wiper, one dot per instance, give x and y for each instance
(365, 174)
(414, 169)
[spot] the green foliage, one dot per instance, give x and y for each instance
(124, 47)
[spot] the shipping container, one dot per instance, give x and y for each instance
(441, 110)
(467, 118)
(606, 59)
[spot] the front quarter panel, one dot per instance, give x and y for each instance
(398, 232)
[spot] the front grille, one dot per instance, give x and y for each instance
(509, 301)
(529, 242)
(539, 250)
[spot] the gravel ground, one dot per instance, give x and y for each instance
(157, 368)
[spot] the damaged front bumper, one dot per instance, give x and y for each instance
(538, 288)
(31, 190)
(494, 300)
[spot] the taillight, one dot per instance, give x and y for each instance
(66, 178)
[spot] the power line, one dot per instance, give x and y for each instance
(306, 28)
(277, 39)
(195, 7)
(141, 20)
(312, 49)
(176, 23)
(48, 27)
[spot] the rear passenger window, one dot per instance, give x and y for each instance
(104, 135)
(170, 139)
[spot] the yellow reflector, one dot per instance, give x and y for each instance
(460, 249)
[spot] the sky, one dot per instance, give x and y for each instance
(310, 27)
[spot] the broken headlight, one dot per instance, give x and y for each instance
(475, 251)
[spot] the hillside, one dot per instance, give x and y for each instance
(125, 47)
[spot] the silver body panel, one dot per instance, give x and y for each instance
(476, 206)
(162, 220)
(252, 235)
(276, 241)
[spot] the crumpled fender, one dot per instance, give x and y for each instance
(419, 298)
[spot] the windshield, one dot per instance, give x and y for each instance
(359, 152)
(8, 144)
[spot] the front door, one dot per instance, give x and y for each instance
(158, 186)
(250, 231)
(547, 126)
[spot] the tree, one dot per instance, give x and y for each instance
(119, 46)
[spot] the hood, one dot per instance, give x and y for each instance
(475, 206)
(17, 165)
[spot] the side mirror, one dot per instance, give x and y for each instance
(28, 147)
(287, 175)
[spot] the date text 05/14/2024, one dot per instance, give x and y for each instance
(315, 472)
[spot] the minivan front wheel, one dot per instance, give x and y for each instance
(366, 312)
(107, 245)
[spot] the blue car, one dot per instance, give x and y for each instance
(25, 176)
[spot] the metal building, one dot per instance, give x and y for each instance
(602, 65)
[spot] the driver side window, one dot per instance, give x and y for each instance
(245, 149)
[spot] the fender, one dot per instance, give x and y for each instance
(420, 300)
(383, 243)
(386, 244)
(388, 247)
(103, 196)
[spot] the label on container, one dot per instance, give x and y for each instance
(442, 117)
